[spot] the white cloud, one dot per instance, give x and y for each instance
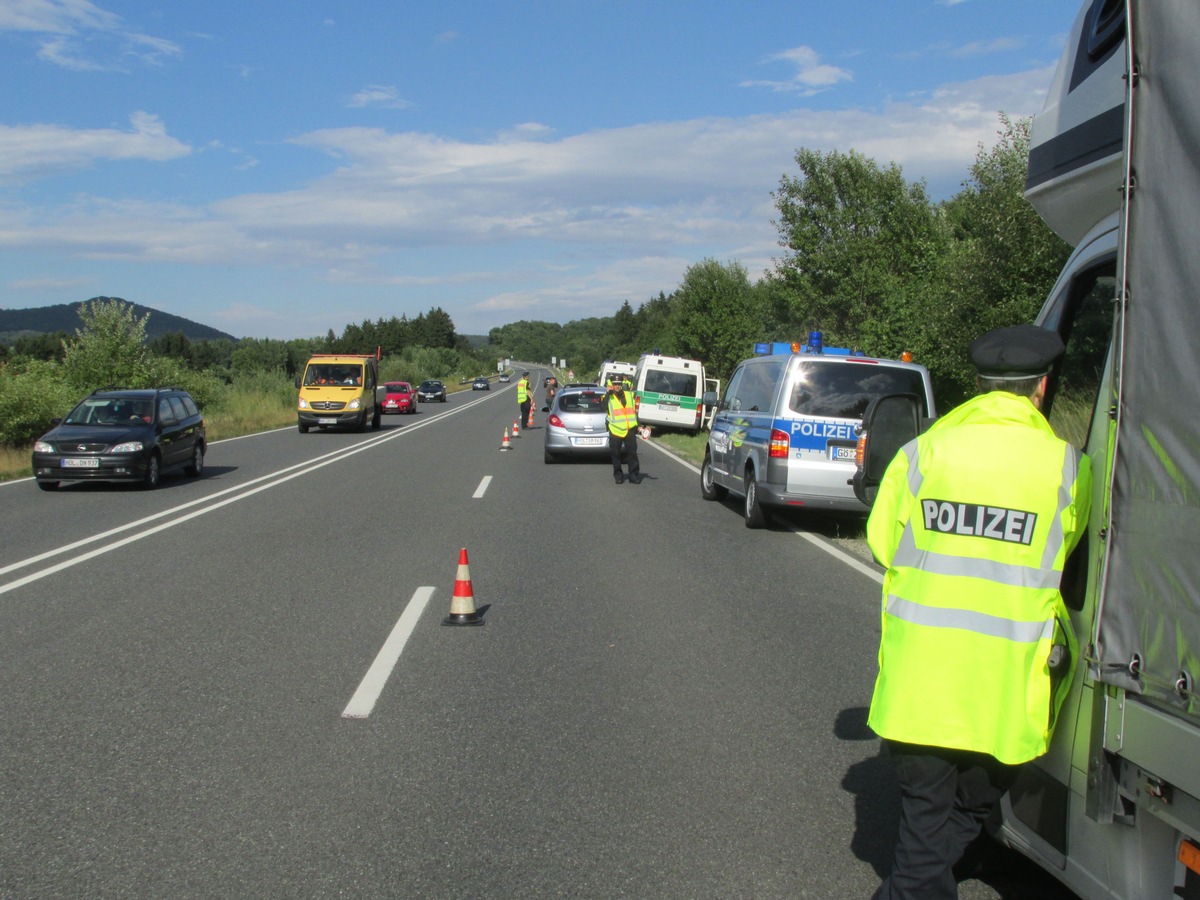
(579, 221)
(54, 16)
(28, 151)
(68, 26)
(811, 75)
(380, 95)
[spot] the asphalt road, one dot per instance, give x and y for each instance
(660, 704)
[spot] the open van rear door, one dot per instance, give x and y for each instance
(888, 424)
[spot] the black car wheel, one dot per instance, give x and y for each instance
(197, 467)
(756, 515)
(548, 457)
(153, 473)
(302, 427)
(709, 489)
(376, 418)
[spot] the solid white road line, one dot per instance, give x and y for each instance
(368, 692)
(483, 486)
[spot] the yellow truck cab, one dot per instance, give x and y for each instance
(338, 390)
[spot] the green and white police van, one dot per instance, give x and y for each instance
(668, 392)
(785, 432)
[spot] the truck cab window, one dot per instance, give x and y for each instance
(1084, 318)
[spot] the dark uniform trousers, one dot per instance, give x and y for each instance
(629, 444)
(946, 797)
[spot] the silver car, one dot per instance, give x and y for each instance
(576, 425)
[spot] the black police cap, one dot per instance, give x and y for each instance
(1019, 351)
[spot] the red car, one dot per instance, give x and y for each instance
(399, 397)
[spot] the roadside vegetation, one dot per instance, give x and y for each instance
(865, 257)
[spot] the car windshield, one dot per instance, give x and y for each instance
(397, 388)
(110, 411)
(843, 390)
(583, 401)
(431, 385)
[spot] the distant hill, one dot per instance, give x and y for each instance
(15, 323)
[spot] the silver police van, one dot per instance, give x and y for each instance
(784, 433)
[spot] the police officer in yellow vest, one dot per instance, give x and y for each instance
(622, 430)
(974, 521)
(525, 398)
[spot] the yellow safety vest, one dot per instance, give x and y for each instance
(622, 418)
(974, 521)
(522, 390)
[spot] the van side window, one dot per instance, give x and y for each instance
(730, 401)
(1084, 318)
(758, 386)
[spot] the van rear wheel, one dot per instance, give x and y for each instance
(756, 515)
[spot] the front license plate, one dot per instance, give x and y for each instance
(327, 421)
(842, 454)
(590, 442)
(89, 463)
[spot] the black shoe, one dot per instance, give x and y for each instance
(619, 479)
(635, 479)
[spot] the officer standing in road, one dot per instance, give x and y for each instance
(524, 397)
(622, 430)
(974, 521)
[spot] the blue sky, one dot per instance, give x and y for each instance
(277, 169)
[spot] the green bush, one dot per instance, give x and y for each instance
(30, 397)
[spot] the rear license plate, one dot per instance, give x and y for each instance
(589, 441)
(842, 454)
(667, 404)
(327, 421)
(89, 463)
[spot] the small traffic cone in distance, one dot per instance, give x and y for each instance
(505, 445)
(516, 428)
(462, 604)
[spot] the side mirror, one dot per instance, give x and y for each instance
(297, 381)
(709, 398)
(888, 424)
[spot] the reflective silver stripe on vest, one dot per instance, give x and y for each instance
(908, 554)
(1054, 541)
(969, 620)
(915, 476)
(1045, 576)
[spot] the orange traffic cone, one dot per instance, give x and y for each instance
(462, 604)
(516, 428)
(529, 424)
(505, 445)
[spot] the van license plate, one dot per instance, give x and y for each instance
(842, 453)
(667, 404)
(327, 421)
(86, 463)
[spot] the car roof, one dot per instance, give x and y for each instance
(135, 393)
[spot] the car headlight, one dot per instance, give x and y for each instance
(128, 447)
(42, 447)
(303, 404)
(356, 403)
